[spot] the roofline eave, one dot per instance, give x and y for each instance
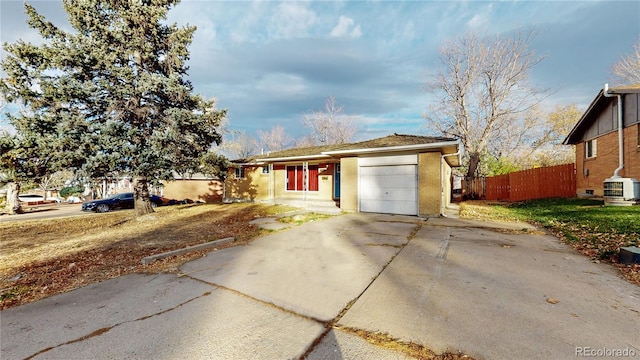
(568, 140)
(393, 148)
(294, 158)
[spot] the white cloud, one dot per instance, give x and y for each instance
(478, 21)
(482, 17)
(282, 84)
(291, 20)
(345, 28)
(248, 22)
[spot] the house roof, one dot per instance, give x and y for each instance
(598, 103)
(391, 143)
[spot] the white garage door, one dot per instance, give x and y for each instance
(389, 189)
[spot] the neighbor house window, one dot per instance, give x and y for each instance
(590, 148)
(239, 173)
(296, 178)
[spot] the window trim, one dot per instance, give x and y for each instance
(239, 171)
(590, 149)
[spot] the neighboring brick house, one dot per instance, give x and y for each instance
(596, 139)
(197, 187)
(397, 174)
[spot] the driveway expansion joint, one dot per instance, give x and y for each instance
(270, 304)
(334, 323)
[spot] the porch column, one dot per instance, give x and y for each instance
(305, 179)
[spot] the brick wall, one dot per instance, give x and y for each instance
(349, 184)
(429, 187)
(606, 161)
(197, 190)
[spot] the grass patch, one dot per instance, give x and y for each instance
(415, 350)
(300, 219)
(587, 225)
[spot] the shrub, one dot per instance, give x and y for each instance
(71, 190)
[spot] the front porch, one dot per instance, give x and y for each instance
(316, 205)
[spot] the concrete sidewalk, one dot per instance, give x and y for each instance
(447, 284)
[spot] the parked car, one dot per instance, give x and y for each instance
(119, 201)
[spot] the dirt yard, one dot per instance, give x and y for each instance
(44, 257)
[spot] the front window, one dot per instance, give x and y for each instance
(239, 173)
(297, 179)
(590, 148)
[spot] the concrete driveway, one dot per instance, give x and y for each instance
(446, 284)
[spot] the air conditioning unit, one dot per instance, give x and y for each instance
(621, 191)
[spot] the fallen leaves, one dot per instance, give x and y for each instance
(73, 260)
(552, 300)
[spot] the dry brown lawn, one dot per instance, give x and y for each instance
(44, 257)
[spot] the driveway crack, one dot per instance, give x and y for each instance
(103, 330)
(333, 323)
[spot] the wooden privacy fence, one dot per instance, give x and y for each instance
(538, 183)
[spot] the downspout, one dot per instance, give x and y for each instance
(442, 197)
(606, 93)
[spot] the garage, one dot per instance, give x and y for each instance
(388, 185)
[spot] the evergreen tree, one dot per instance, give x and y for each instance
(112, 93)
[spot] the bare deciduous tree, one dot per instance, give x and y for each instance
(547, 149)
(239, 145)
(275, 139)
(559, 122)
(305, 141)
(330, 126)
(482, 94)
(54, 180)
(627, 70)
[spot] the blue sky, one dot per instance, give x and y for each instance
(271, 62)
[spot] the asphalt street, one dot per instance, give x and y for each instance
(48, 211)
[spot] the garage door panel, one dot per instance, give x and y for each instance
(388, 170)
(390, 189)
(398, 194)
(389, 207)
(399, 181)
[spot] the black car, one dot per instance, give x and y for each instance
(120, 201)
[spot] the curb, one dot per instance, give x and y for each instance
(149, 259)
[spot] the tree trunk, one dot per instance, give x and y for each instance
(474, 161)
(141, 201)
(13, 205)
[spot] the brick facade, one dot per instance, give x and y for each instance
(605, 162)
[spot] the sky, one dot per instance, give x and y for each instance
(271, 62)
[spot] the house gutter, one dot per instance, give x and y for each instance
(606, 93)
